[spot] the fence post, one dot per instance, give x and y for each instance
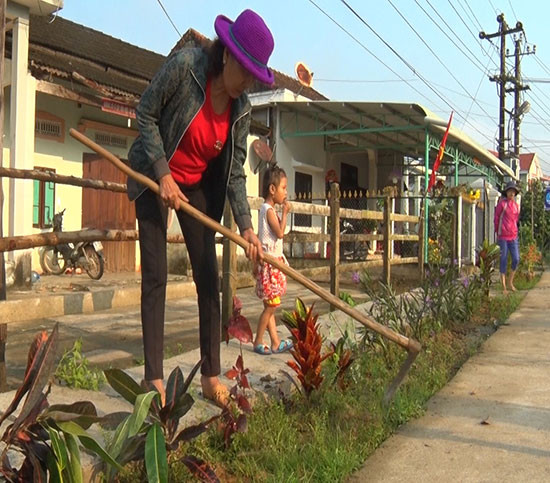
(387, 240)
(334, 203)
(459, 230)
(421, 235)
(229, 270)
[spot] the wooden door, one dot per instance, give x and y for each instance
(107, 210)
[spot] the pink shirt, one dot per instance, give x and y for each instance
(510, 218)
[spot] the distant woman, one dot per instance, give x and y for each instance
(506, 229)
(193, 123)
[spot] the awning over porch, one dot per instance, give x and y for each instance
(408, 128)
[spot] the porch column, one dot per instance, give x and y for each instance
(22, 105)
(426, 181)
(456, 168)
(473, 235)
(459, 230)
(21, 135)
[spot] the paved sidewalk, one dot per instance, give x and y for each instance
(491, 423)
(58, 295)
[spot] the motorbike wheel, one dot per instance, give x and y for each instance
(95, 265)
(52, 261)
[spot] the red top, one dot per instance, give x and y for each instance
(202, 142)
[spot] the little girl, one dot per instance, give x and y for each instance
(270, 281)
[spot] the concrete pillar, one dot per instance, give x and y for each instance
(459, 231)
(473, 234)
(22, 107)
(392, 244)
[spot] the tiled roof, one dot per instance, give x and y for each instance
(194, 38)
(59, 48)
(525, 161)
(62, 49)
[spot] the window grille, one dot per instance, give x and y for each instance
(48, 127)
(107, 139)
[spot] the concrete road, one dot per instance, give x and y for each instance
(112, 338)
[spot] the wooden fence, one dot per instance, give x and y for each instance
(333, 212)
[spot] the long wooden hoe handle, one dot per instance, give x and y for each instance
(410, 345)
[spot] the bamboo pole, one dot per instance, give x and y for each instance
(62, 179)
(22, 242)
(407, 343)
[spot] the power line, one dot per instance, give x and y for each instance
(473, 14)
(476, 38)
(168, 16)
(511, 6)
(438, 59)
(364, 81)
(400, 57)
(493, 7)
(371, 53)
(542, 64)
(469, 57)
(477, 91)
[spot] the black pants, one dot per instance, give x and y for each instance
(152, 215)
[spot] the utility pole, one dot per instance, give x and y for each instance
(516, 89)
(502, 78)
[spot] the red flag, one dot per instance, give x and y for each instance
(439, 155)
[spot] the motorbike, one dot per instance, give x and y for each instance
(85, 255)
(356, 250)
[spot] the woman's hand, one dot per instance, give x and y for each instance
(170, 192)
(254, 250)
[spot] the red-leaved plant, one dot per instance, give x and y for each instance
(234, 416)
(304, 328)
(48, 438)
(344, 360)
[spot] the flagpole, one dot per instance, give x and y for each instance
(428, 185)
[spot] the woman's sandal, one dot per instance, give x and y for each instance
(283, 346)
(219, 396)
(262, 349)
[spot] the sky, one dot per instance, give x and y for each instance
(420, 51)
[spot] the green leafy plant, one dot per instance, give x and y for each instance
(150, 432)
(347, 298)
(306, 351)
(387, 308)
(47, 437)
(488, 256)
(73, 369)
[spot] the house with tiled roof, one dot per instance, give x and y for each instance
(71, 76)
(529, 167)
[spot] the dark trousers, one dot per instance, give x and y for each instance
(152, 215)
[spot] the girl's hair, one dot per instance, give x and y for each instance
(215, 58)
(272, 176)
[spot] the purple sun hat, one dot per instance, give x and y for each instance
(249, 41)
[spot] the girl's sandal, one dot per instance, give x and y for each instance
(219, 396)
